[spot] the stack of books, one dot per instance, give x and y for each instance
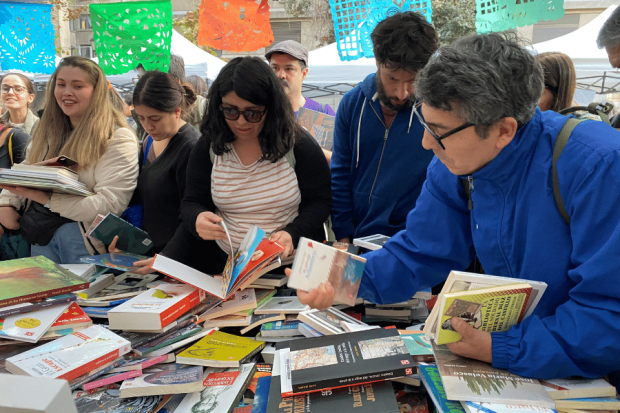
(53, 178)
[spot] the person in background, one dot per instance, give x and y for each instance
(560, 81)
(253, 164)
(80, 123)
(128, 109)
(199, 85)
(609, 38)
(492, 134)
(17, 93)
(159, 101)
(379, 166)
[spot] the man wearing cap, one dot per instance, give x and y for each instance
(289, 60)
(378, 163)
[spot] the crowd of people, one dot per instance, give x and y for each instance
(448, 150)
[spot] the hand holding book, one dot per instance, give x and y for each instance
(283, 238)
(208, 226)
(145, 265)
(35, 195)
(475, 344)
(320, 298)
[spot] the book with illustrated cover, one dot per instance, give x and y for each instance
(261, 394)
(560, 389)
(418, 344)
(155, 308)
(320, 126)
(316, 263)
(282, 305)
(130, 238)
(465, 281)
(126, 285)
(70, 356)
(372, 242)
(481, 407)
(315, 364)
(175, 380)
(259, 319)
(489, 309)
(411, 398)
(239, 301)
(180, 346)
(429, 373)
(262, 370)
(262, 296)
(477, 381)
(218, 349)
(24, 308)
(109, 399)
(116, 260)
(328, 321)
(280, 329)
(29, 279)
(222, 390)
(72, 317)
(31, 326)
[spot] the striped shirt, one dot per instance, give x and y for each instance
(264, 193)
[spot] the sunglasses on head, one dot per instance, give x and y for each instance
(252, 116)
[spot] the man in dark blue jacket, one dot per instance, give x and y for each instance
(378, 164)
(479, 98)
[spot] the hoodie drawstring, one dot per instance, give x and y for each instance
(359, 127)
(410, 119)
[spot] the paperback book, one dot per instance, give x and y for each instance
(218, 349)
(316, 263)
(259, 319)
(239, 301)
(73, 317)
(321, 363)
(170, 338)
(371, 242)
(130, 238)
(429, 373)
(560, 389)
(110, 400)
(122, 261)
(418, 344)
(481, 407)
(176, 380)
(30, 327)
(280, 329)
(320, 126)
(24, 308)
(328, 321)
(230, 320)
(282, 305)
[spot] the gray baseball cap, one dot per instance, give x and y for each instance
(291, 47)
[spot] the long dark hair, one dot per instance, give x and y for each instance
(252, 80)
(161, 91)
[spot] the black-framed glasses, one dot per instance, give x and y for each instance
(252, 116)
(18, 90)
(445, 135)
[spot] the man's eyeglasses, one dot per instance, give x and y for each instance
(18, 90)
(439, 138)
(252, 116)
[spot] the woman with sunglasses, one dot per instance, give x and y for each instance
(17, 94)
(252, 165)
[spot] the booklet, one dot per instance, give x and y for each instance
(130, 238)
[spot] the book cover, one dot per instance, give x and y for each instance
(222, 390)
(111, 378)
(261, 394)
(371, 242)
(155, 308)
(72, 317)
(126, 285)
(262, 370)
(280, 328)
(24, 308)
(239, 301)
(271, 280)
(481, 407)
(589, 403)
(418, 344)
(262, 296)
(131, 239)
(175, 380)
(168, 339)
(97, 283)
(29, 279)
(219, 349)
(465, 281)
(265, 258)
(316, 263)
(118, 260)
(109, 400)
(432, 381)
(328, 321)
(99, 312)
(259, 319)
(70, 356)
(308, 331)
(97, 372)
(489, 309)
(320, 126)
(411, 398)
(282, 305)
(320, 363)
(476, 381)
(31, 326)
(139, 364)
(230, 320)
(560, 389)
(180, 346)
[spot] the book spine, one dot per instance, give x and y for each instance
(112, 379)
(175, 311)
(44, 294)
(180, 325)
(37, 306)
(93, 374)
(93, 364)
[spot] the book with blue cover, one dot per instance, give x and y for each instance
(117, 260)
(280, 329)
(432, 381)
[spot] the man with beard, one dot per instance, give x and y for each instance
(378, 163)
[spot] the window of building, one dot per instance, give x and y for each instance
(85, 22)
(86, 51)
(72, 25)
(285, 31)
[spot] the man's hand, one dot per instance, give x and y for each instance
(33, 194)
(283, 238)
(475, 344)
(208, 227)
(321, 297)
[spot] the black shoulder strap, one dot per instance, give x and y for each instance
(560, 143)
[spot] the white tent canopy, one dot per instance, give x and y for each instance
(591, 63)
(325, 68)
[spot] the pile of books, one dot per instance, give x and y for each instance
(53, 178)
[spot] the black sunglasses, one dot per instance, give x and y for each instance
(252, 116)
(445, 135)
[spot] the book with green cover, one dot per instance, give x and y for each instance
(130, 238)
(487, 309)
(28, 279)
(219, 349)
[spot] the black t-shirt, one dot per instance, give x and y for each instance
(19, 142)
(161, 185)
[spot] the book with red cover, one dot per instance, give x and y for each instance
(73, 317)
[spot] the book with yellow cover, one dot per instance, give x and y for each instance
(218, 349)
(488, 309)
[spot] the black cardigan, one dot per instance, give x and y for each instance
(313, 177)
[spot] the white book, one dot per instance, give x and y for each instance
(560, 389)
(239, 301)
(155, 308)
(178, 379)
(371, 242)
(328, 321)
(102, 282)
(30, 326)
(268, 353)
(282, 305)
(484, 407)
(308, 331)
(70, 356)
(81, 270)
(21, 394)
(223, 389)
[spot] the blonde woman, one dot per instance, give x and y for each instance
(17, 94)
(79, 122)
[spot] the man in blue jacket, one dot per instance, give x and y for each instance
(378, 165)
(479, 99)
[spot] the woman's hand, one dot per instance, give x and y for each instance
(283, 238)
(9, 217)
(32, 194)
(208, 227)
(145, 265)
(320, 298)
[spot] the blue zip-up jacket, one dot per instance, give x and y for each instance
(377, 174)
(517, 231)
